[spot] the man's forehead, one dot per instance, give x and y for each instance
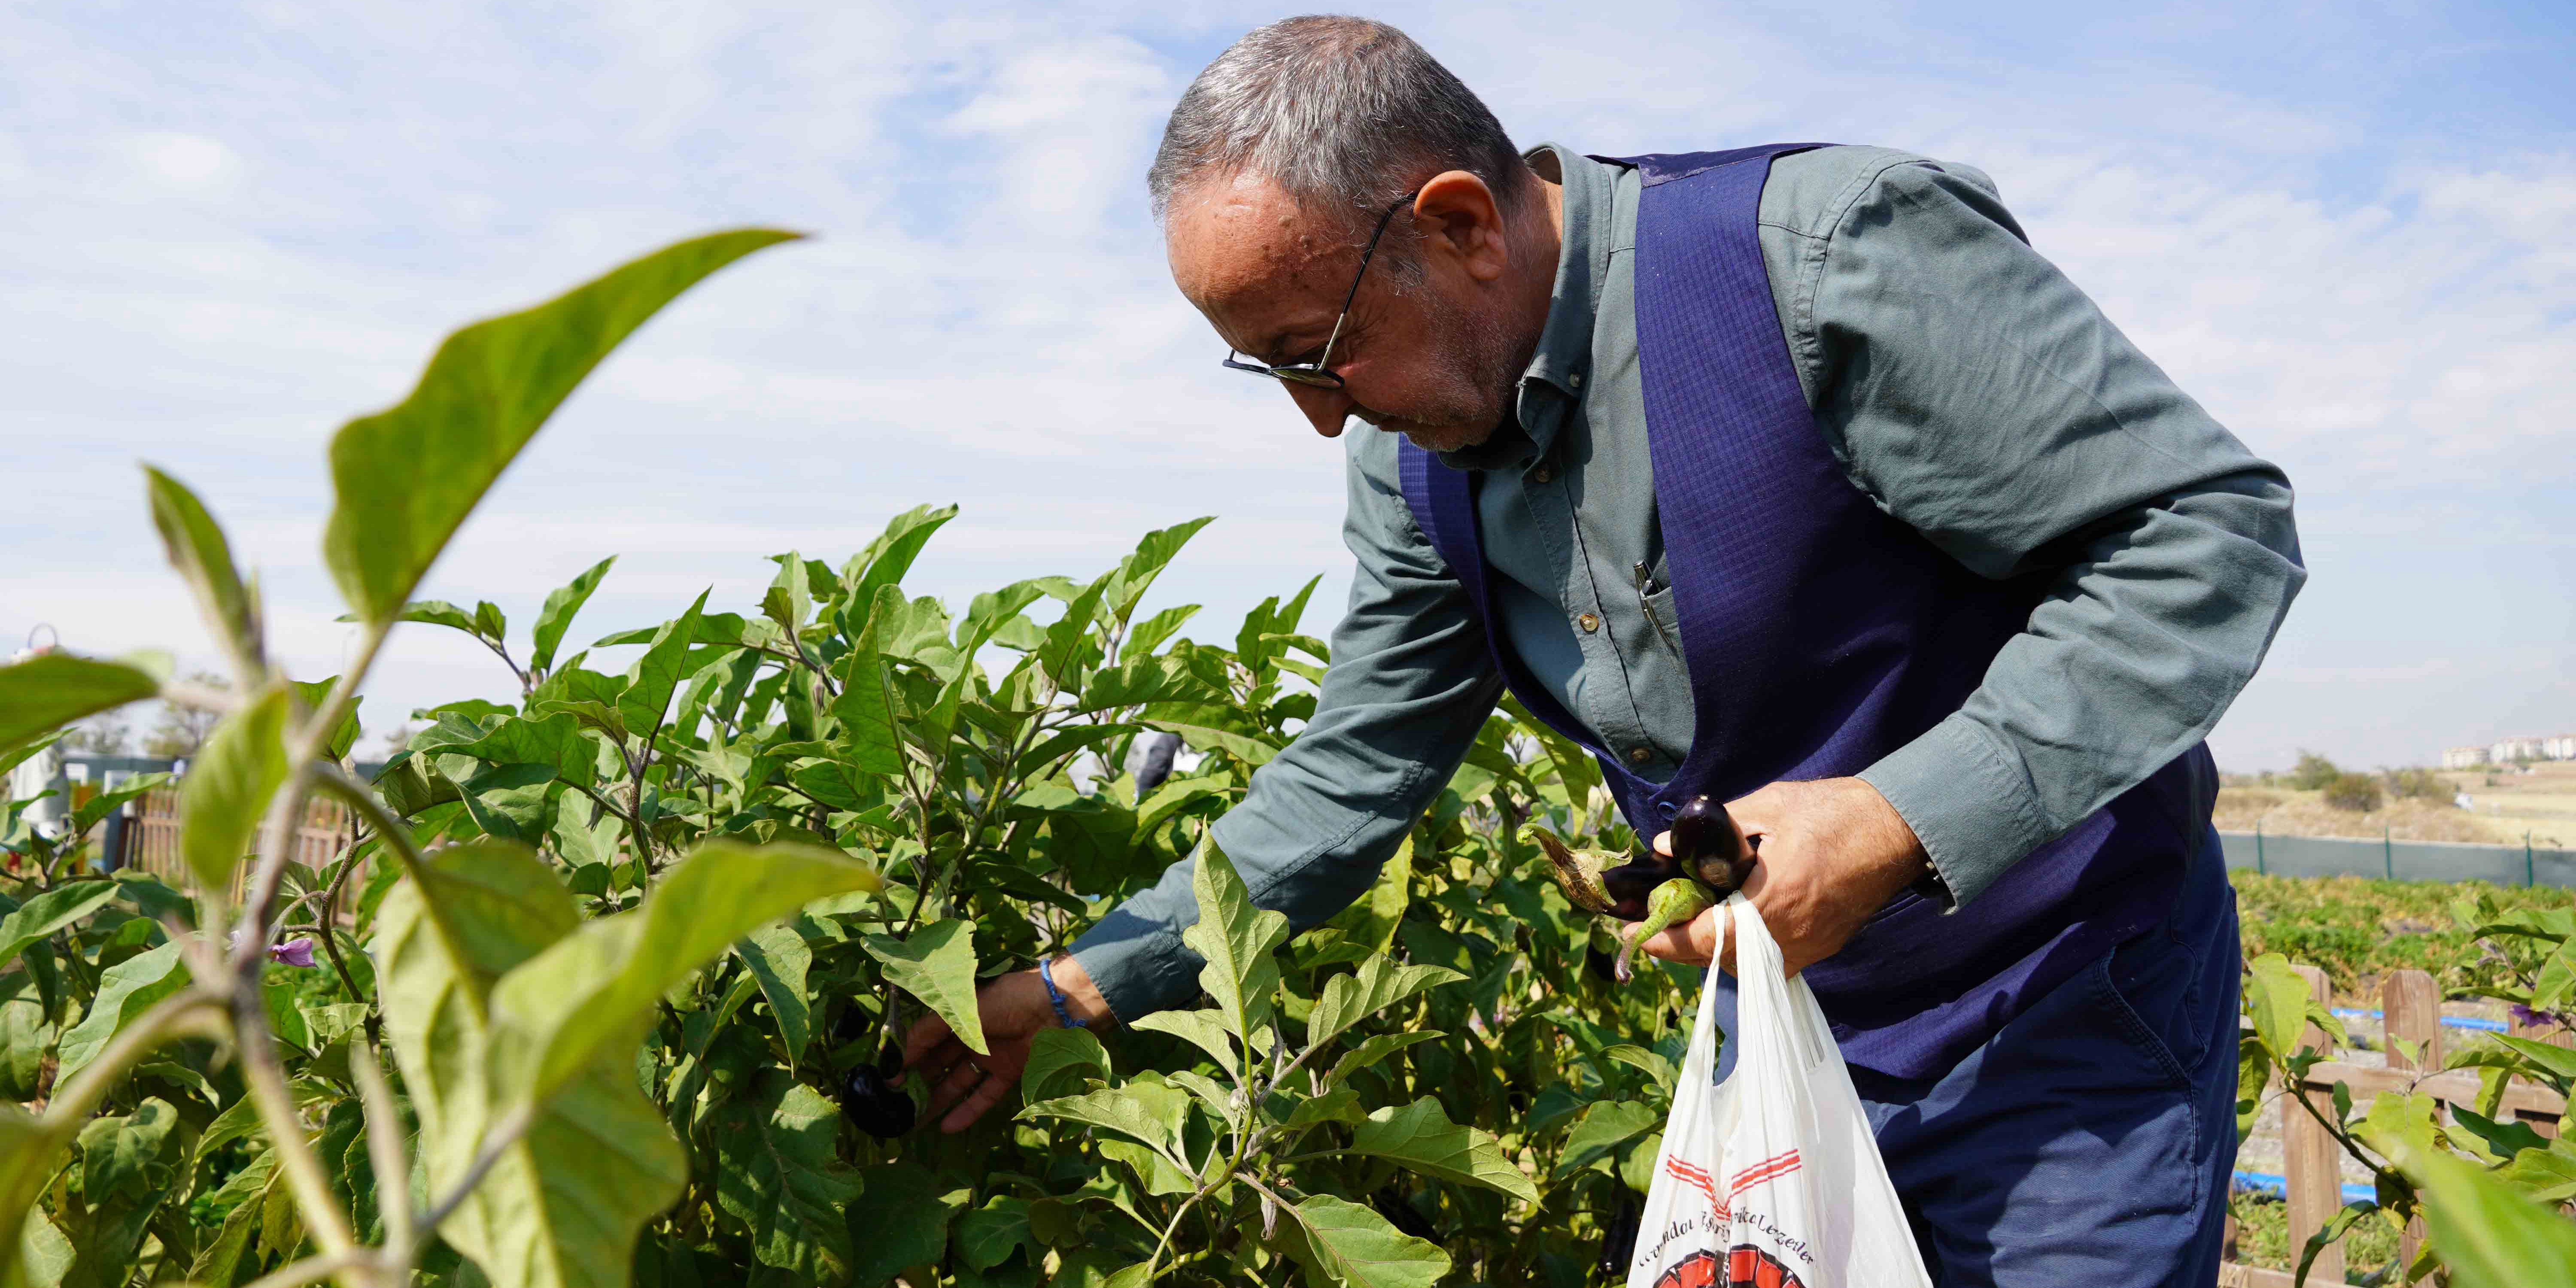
(1240, 241)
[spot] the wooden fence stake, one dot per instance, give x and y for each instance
(2413, 1007)
(2311, 1158)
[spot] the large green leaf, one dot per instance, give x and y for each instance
(1204, 1029)
(557, 614)
(108, 802)
(125, 991)
(1353, 1246)
(657, 674)
(1070, 643)
(2276, 997)
(563, 1206)
(1605, 1127)
(228, 788)
(901, 1220)
(870, 738)
(555, 744)
(886, 560)
(27, 1149)
(1131, 1110)
(937, 965)
(54, 689)
(778, 958)
(1252, 750)
(117, 1150)
(1367, 927)
(1136, 573)
(1420, 1136)
(1379, 984)
(1237, 941)
(2486, 1234)
(1062, 1062)
(593, 991)
(49, 912)
(196, 545)
(987, 1236)
(2555, 1060)
(777, 1173)
(406, 477)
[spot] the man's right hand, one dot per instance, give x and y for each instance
(1013, 1008)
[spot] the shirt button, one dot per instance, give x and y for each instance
(1543, 474)
(1575, 379)
(1588, 622)
(1638, 755)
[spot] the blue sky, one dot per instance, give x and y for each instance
(2343, 227)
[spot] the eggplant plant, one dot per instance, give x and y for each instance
(605, 984)
(2492, 1192)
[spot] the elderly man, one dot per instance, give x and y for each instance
(1790, 475)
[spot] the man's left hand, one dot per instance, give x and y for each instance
(1831, 851)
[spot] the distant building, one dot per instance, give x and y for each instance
(2463, 757)
(2562, 747)
(2508, 750)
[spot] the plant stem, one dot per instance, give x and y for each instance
(315, 1269)
(385, 1152)
(266, 1079)
(390, 829)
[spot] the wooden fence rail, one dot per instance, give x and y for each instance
(2312, 1160)
(326, 829)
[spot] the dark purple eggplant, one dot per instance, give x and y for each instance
(870, 1099)
(1629, 884)
(1708, 845)
(1619, 1239)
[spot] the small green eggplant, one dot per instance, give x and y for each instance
(1673, 903)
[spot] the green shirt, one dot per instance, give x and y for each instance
(1964, 385)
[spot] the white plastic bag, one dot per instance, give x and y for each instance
(1771, 1179)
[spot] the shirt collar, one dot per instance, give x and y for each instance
(1553, 381)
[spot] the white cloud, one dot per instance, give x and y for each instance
(237, 235)
(182, 160)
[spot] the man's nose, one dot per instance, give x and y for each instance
(1325, 409)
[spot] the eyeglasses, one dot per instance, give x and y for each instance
(1315, 373)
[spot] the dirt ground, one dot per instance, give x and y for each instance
(2504, 804)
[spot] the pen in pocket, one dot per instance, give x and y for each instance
(1645, 587)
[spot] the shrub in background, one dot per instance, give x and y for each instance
(2359, 792)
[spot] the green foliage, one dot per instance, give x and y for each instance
(608, 958)
(2356, 792)
(2356, 928)
(486, 392)
(599, 986)
(2313, 772)
(2419, 784)
(2491, 1193)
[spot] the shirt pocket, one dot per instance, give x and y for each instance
(1663, 623)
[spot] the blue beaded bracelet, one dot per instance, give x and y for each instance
(1046, 974)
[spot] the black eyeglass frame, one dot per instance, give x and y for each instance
(1317, 374)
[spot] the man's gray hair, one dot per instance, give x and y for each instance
(1344, 114)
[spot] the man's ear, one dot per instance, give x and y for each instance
(1460, 221)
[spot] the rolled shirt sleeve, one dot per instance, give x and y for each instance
(1411, 682)
(1977, 396)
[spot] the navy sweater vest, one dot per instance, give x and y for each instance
(1821, 635)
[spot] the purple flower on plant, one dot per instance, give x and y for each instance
(294, 952)
(2532, 1019)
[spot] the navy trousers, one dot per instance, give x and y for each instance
(2090, 1142)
